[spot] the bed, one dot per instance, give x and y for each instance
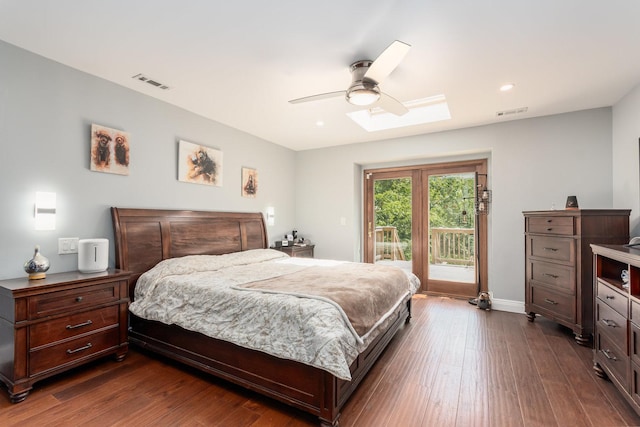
(148, 240)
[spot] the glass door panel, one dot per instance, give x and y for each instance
(392, 214)
(452, 247)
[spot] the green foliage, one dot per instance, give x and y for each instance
(449, 196)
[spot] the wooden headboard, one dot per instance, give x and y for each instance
(144, 237)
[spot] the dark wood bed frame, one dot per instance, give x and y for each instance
(144, 237)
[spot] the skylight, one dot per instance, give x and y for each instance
(421, 111)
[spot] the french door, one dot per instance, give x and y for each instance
(425, 219)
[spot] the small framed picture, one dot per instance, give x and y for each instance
(109, 150)
(249, 182)
(199, 164)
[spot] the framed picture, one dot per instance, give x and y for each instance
(249, 182)
(109, 150)
(199, 164)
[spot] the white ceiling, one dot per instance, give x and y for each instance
(239, 63)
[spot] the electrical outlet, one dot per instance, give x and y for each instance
(67, 245)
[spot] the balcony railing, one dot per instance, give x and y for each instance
(452, 246)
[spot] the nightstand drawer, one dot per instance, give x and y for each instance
(559, 249)
(59, 355)
(70, 326)
(551, 225)
(73, 299)
(611, 323)
(560, 277)
(557, 304)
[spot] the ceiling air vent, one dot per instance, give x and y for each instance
(507, 113)
(152, 82)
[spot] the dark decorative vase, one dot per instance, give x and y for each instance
(572, 202)
(37, 266)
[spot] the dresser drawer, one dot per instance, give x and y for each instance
(634, 314)
(561, 225)
(555, 304)
(561, 249)
(70, 326)
(612, 357)
(47, 358)
(634, 343)
(560, 277)
(72, 300)
(611, 323)
(613, 297)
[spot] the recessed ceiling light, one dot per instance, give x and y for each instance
(507, 87)
(421, 111)
(319, 123)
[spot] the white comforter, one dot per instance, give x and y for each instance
(199, 293)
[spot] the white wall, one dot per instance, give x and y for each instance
(626, 158)
(533, 164)
(46, 111)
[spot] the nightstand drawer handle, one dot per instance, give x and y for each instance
(610, 323)
(78, 299)
(86, 347)
(607, 355)
(609, 297)
(549, 229)
(550, 301)
(554, 276)
(79, 325)
(551, 249)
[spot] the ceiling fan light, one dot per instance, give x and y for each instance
(362, 97)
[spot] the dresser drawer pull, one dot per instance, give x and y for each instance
(78, 299)
(554, 276)
(549, 220)
(86, 347)
(79, 325)
(610, 297)
(607, 355)
(549, 229)
(609, 323)
(550, 301)
(551, 249)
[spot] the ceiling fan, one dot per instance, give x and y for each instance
(366, 75)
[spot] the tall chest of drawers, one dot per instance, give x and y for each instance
(50, 325)
(559, 262)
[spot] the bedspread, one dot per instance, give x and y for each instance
(201, 293)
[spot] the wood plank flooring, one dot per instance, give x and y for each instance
(453, 365)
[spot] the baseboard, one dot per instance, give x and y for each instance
(507, 305)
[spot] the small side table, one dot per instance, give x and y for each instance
(298, 251)
(50, 325)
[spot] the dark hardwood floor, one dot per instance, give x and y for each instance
(453, 365)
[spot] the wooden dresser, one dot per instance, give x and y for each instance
(559, 262)
(50, 325)
(616, 353)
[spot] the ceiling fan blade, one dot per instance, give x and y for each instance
(318, 97)
(391, 105)
(387, 61)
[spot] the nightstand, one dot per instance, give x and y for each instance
(50, 325)
(297, 251)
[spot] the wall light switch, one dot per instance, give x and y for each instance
(67, 245)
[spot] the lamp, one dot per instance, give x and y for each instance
(45, 211)
(271, 216)
(483, 195)
(362, 94)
